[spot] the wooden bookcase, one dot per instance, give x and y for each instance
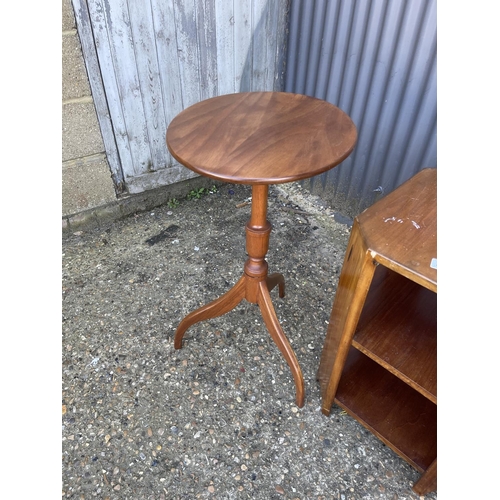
(379, 361)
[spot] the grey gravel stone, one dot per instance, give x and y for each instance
(217, 418)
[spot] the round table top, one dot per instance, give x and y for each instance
(261, 137)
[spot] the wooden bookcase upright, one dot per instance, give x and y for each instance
(379, 360)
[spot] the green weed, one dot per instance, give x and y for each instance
(173, 203)
(196, 194)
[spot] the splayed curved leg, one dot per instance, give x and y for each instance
(277, 334)
(276, 279)
(218, 307)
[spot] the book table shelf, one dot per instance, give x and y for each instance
(379, 360)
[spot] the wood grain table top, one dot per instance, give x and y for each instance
(401, 228)
(261, 137)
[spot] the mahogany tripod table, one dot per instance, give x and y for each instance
(259, 138)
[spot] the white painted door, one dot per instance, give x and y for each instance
(148, 60)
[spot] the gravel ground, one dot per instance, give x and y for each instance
(217, 418)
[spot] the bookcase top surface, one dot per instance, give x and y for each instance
(401, 228)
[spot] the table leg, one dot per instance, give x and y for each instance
(218, 307)
(427, 481)
(276, 279)
(280, 339)
(354, 283)
(255, 286)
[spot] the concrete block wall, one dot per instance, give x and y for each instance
(88, 193)
(86, 177)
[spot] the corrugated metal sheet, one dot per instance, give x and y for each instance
(376, 60)
(149, 60)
